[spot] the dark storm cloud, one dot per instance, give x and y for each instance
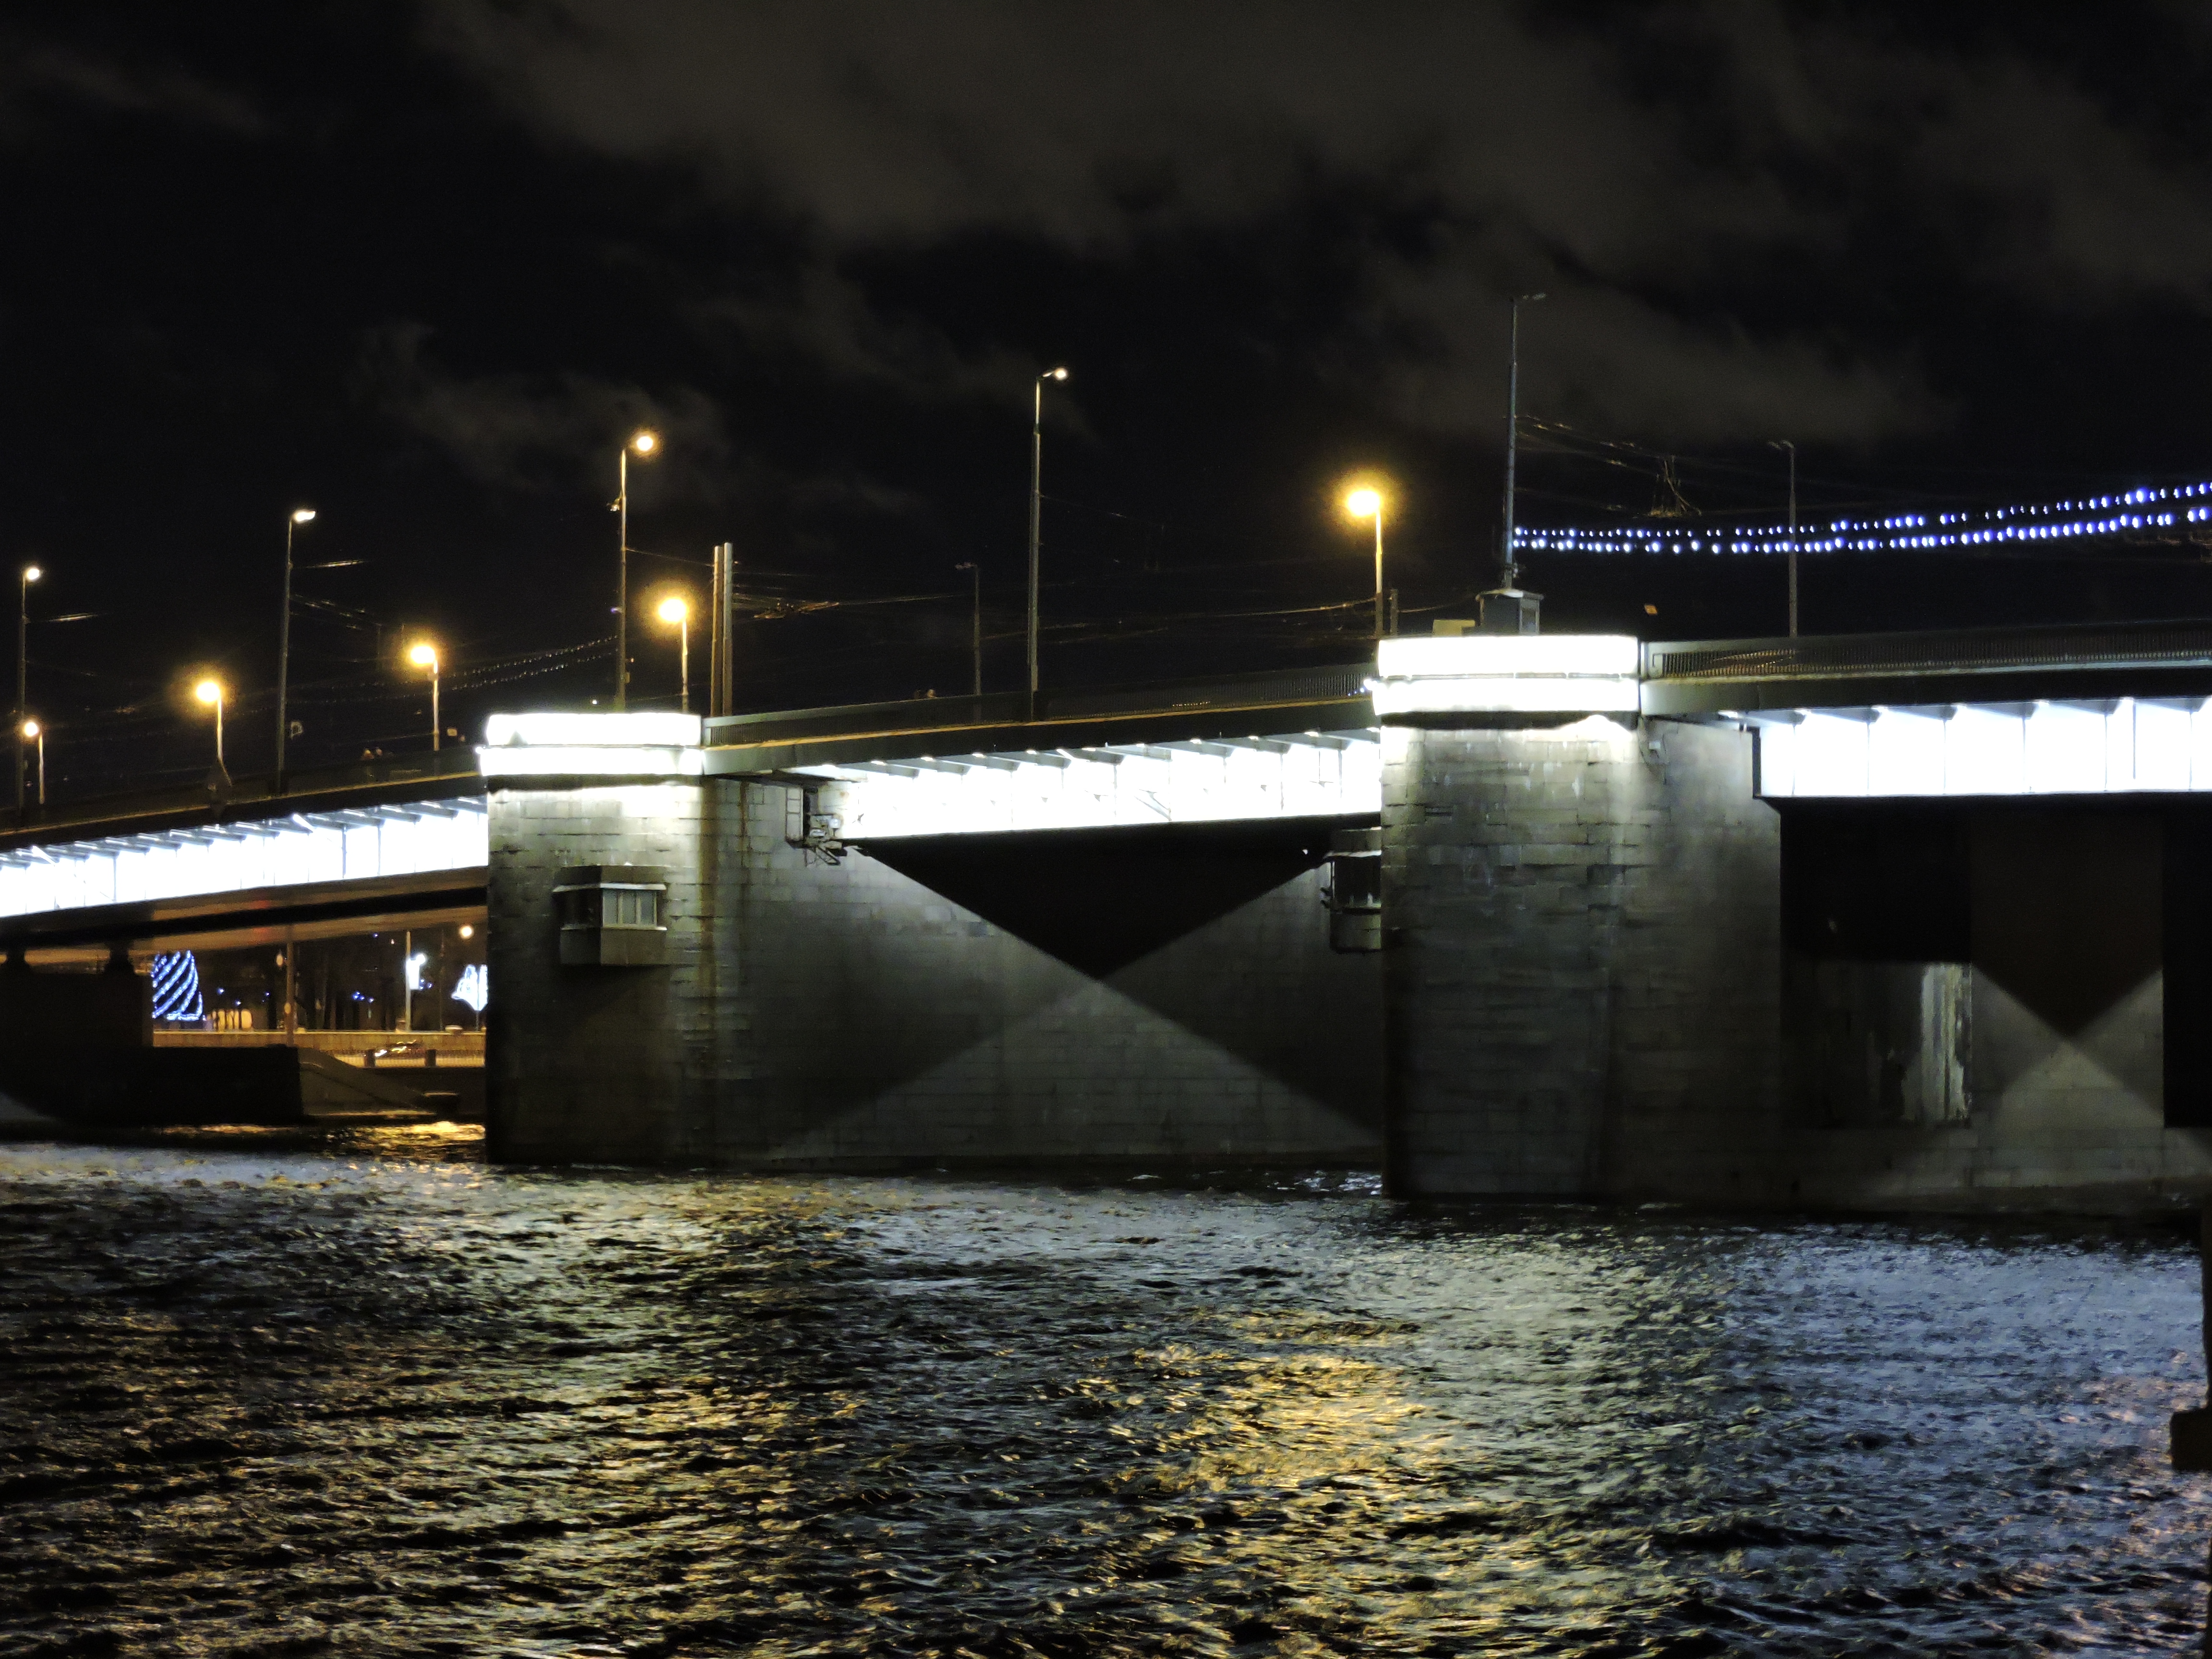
(1633, 165)
(31, 76)
(527, 430)
(828, 319)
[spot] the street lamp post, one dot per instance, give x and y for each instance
(1510, 575)
(974, 622)
(1784, 443)
(37, 733)
(1367, 503)
(299, 516)
(31, 573)
(645, 442)
(423, 654)
(210, 692)
(1036, 518)
(675, 609)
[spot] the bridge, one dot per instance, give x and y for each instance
(1880, 920)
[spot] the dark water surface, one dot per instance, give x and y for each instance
(368, 1395)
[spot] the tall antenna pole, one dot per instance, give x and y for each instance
(1510, 572)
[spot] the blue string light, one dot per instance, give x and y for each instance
(1906, 532)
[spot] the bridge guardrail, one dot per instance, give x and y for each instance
(448, 772)
(1012, 707)
(1958, 651)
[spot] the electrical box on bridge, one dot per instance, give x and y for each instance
(612, 915)
(1510, 610)
(1354, 893)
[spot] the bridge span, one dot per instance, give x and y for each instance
(1912, 919)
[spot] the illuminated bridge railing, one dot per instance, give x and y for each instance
(304, 849)
(2128, 644)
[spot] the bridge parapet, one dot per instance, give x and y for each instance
(1927, 668)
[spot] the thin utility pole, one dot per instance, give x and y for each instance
(645, 442)
(1036, 518)
(1378, 570)
(714, 633)
(31, 574)
(975, 623)
(727, 652)
(1509, 572)
(622, 581)
(298, 516)
(684, 657)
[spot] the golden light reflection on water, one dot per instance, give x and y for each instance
(369, 1390)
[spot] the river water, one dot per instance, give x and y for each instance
(367, 1394)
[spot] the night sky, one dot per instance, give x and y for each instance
(424, 266)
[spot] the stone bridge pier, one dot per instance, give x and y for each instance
(692, 972)
(1582, 936)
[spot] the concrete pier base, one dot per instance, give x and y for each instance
(1582, 933)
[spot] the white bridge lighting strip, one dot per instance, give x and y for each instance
(1507, 674)
(1906, 532)
(302, 850)
(1303, 775)
(2124, 745)
(642, 745)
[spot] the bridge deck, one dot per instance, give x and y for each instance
(1256, 745)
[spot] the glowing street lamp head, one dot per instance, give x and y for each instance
(303, 515)
(1364, 502)
(32, 572)
(30, 728)
(1053, 374)
(209, 691)
(423, 655)
(645, 440)
(673, 610)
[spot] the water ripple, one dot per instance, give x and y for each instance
(366, 1395)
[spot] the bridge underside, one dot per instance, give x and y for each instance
(317, 908)
(1997, 993)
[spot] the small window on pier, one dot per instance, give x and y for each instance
(610, 916)
(1354, 893)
